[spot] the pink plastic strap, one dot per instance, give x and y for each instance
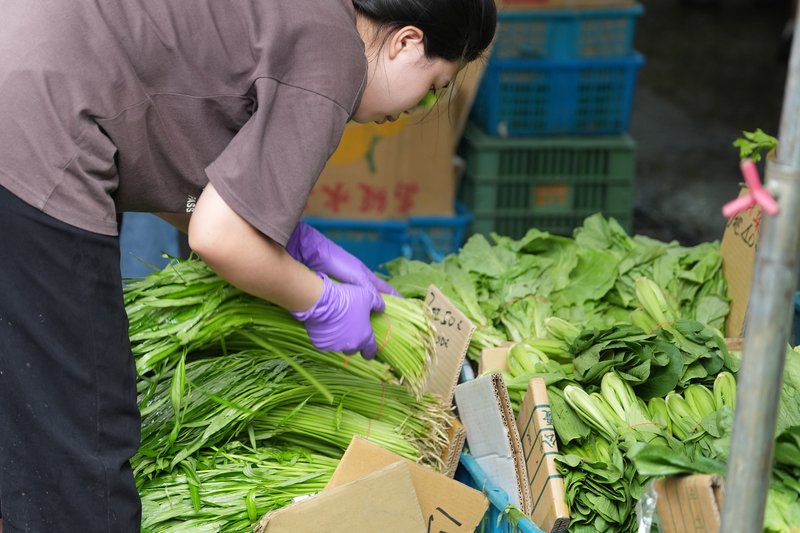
(758, 195)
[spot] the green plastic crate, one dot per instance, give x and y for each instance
(550, 183)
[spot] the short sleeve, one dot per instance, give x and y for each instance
(267, 171)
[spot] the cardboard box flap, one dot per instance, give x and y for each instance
(456, 437)
(689, 504)
(550, 511)
(492, 437)
(453, 333)
(446, 505)
(385, 500)
(738, 251)
(493, 359)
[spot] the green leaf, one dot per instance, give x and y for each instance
(591, 279)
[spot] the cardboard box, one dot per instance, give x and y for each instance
(689, 504)
(447, 505)
(492, 437)
(384, 500)
(398, 169)
(550, 511)
(738, 251)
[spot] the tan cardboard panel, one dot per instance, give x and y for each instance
(689, 504)
(493, 359)
(535, 423)
(446, 505)
(383, 501)
(453, 333)
(738, 251)
(456, 436)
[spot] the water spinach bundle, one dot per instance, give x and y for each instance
(186, 307)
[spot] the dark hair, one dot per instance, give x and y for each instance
(454, 30)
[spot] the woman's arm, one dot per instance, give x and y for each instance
(247, 258)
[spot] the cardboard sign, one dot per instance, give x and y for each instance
(492, 436)
(689, 504)
(385, 500)
(453, 333)
(738, 251)
(535, 423)
(447, 505)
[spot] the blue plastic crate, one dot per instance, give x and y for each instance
(434, 237)
(796, 332)
(375, 242)
(566, 33)
(494, 521)
(542, 97)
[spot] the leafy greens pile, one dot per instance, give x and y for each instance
(508, 288)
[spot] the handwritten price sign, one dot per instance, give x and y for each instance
(453, 333)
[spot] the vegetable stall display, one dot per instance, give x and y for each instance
(628, 335)
(627, 332)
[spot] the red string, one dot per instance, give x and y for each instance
(369, 426)
(382, 402)
(346, 360)
(388, 331)
(662, 324)
(650, 423)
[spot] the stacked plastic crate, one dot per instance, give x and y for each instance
(547, 144)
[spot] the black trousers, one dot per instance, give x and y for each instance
(69, 421)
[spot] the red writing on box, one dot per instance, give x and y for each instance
(368, 198)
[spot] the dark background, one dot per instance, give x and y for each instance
(713, 69)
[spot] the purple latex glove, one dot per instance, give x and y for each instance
(310, 247)
(339, 321)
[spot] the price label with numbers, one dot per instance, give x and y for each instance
(453, 333)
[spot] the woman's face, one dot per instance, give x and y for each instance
(399, 76)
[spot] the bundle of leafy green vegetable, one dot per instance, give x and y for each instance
(240, 412)
(186, 306)
(510, 287)
(260, 398)
(227, 489)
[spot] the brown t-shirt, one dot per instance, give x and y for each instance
(133, 105)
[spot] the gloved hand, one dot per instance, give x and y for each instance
(310, 247)
(339, 321)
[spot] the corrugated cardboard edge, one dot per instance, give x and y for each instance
(453, 333)
(456, 436)
(403, 497)
(689, 504)
(501, 393)
(550, 511)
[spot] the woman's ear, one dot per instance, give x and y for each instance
(408, 39)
